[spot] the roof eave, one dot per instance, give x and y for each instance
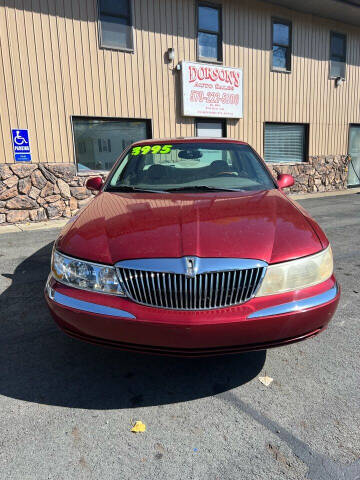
(345, 11)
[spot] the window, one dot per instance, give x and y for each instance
(210, 128)
(116, 24)
(209, 32)
(81, 147)
(281, 45)
(337, 55)
(104, 145)
(285, 142)
(99, 141)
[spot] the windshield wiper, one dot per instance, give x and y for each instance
(129, 188)
(203, 188)
(198, 188)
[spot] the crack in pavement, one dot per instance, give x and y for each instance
(319, 466)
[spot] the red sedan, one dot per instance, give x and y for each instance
(191, 248)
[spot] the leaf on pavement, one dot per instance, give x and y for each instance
(139, 427)
(266, 380)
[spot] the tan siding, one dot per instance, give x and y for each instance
(7, 98)
(59, 101)
(51, 68)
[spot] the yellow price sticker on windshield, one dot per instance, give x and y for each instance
(162, 149)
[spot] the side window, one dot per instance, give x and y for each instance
(337, 55)
(281, 45)
(209, 32)
(116, 24)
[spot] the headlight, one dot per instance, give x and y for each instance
(85, 275)
(297, 274)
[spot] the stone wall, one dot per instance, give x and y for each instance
(319, 174)
(36, 192)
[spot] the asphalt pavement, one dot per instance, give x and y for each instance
(66, 407)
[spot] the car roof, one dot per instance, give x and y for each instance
(154, 141)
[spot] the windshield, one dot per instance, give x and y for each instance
(190, 167)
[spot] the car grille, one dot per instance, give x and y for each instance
(201, 292)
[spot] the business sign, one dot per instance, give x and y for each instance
(21, 145)
(211, 91)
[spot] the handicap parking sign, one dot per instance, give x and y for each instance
(21, 145)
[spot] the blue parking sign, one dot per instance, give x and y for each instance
(21, 144)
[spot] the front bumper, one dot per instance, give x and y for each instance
(258, 324)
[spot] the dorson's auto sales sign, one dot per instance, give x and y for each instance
(211, 91)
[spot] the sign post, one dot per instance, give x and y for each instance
(211, 91)
(21, 145)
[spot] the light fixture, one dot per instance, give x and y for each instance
(171, 54)
(338, 81)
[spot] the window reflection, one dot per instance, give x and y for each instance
(99, 142)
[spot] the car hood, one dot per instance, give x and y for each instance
(263, 225)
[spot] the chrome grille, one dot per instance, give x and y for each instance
(203, 291)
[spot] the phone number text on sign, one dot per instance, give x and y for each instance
(214, 97)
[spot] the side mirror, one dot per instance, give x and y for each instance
(94, 184)
(285, 181)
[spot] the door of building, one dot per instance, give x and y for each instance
(210, 128)
(354, 152)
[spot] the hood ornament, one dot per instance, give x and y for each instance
(191, 267)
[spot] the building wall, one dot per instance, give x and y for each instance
(51, 67)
